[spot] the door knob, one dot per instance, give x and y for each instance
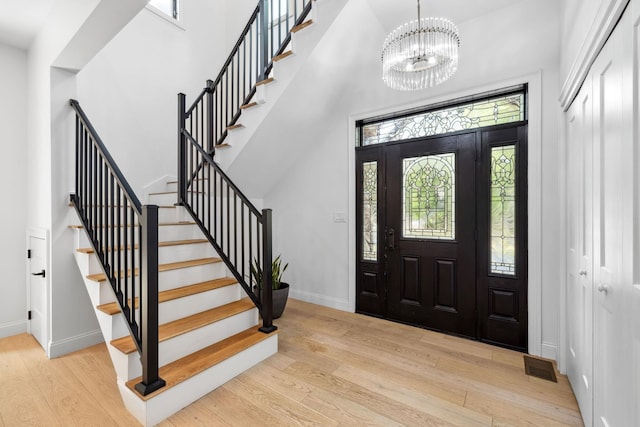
(603, 288)
(39, 274)
(582, 272)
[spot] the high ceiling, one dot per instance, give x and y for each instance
(393, 13)
(20, 20)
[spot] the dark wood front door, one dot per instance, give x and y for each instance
(435, 246)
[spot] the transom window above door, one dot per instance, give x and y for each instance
(468, 113)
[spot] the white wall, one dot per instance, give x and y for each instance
(342, 79)
(129, 90)
(13, 175)
(74, 31)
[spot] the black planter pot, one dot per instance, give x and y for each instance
(279, 298)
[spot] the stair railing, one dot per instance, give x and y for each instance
(249, 63)
(124, 237)
(239, 232)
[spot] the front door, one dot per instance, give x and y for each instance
(430, 210)
(430, 233)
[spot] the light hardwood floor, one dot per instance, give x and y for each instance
(333, 368)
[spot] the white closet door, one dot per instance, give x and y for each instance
(612, 351)
(580, 244)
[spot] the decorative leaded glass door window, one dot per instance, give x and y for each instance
(429, 197)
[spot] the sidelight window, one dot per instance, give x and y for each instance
(503, 210)
(370, 211)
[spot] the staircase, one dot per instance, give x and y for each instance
(208, 332)
(171, 281)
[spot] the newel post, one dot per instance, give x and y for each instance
(267, 277)
(182, 150)
(151, 380)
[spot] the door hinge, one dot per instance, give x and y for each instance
(28, 253)
(29, 315)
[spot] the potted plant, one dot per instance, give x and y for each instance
(279, 288)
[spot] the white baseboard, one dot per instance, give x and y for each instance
(75, 343)
(13, 328)
(338, 304)
(549, 351)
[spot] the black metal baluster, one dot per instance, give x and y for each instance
(242, 237)
(235, 228)
(114, 247)
(121, 251)
(125, 272)
(228, 219)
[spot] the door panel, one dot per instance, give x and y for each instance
(580, 250)
(38, 290)
(370, 279)
(430, 215)
(612, 145)
(502, 237)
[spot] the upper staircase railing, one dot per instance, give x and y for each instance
(235, 227)
(250, 62)
(124, 237)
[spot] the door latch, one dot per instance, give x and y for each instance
(391, 239)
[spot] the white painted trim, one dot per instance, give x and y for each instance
(606, 19)
(75, 343)
(549, 351)
(13, 328)
(563, 343)
(534, 80)
(313, 298)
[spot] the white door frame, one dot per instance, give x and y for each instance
(534, 169)
(40, 233)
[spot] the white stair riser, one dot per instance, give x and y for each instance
(166, 233)
(177, 278)
(113, 327)
(166, 255)
(188, 276)
(162, 406)
(163, 199)
(190, 342)
(186, 306)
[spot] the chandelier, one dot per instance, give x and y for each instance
(420, 54)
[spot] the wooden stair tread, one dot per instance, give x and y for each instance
(304, 25)
(99, 277)
(172, 294)
(265, 81)
(188, 324)
(282, 56)
(223, 145)
(249, 105)
(189, 366)
(236, 126)
(160, 244)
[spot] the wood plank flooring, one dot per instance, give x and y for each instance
(333, 368)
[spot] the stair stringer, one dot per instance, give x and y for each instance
(303, 43)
